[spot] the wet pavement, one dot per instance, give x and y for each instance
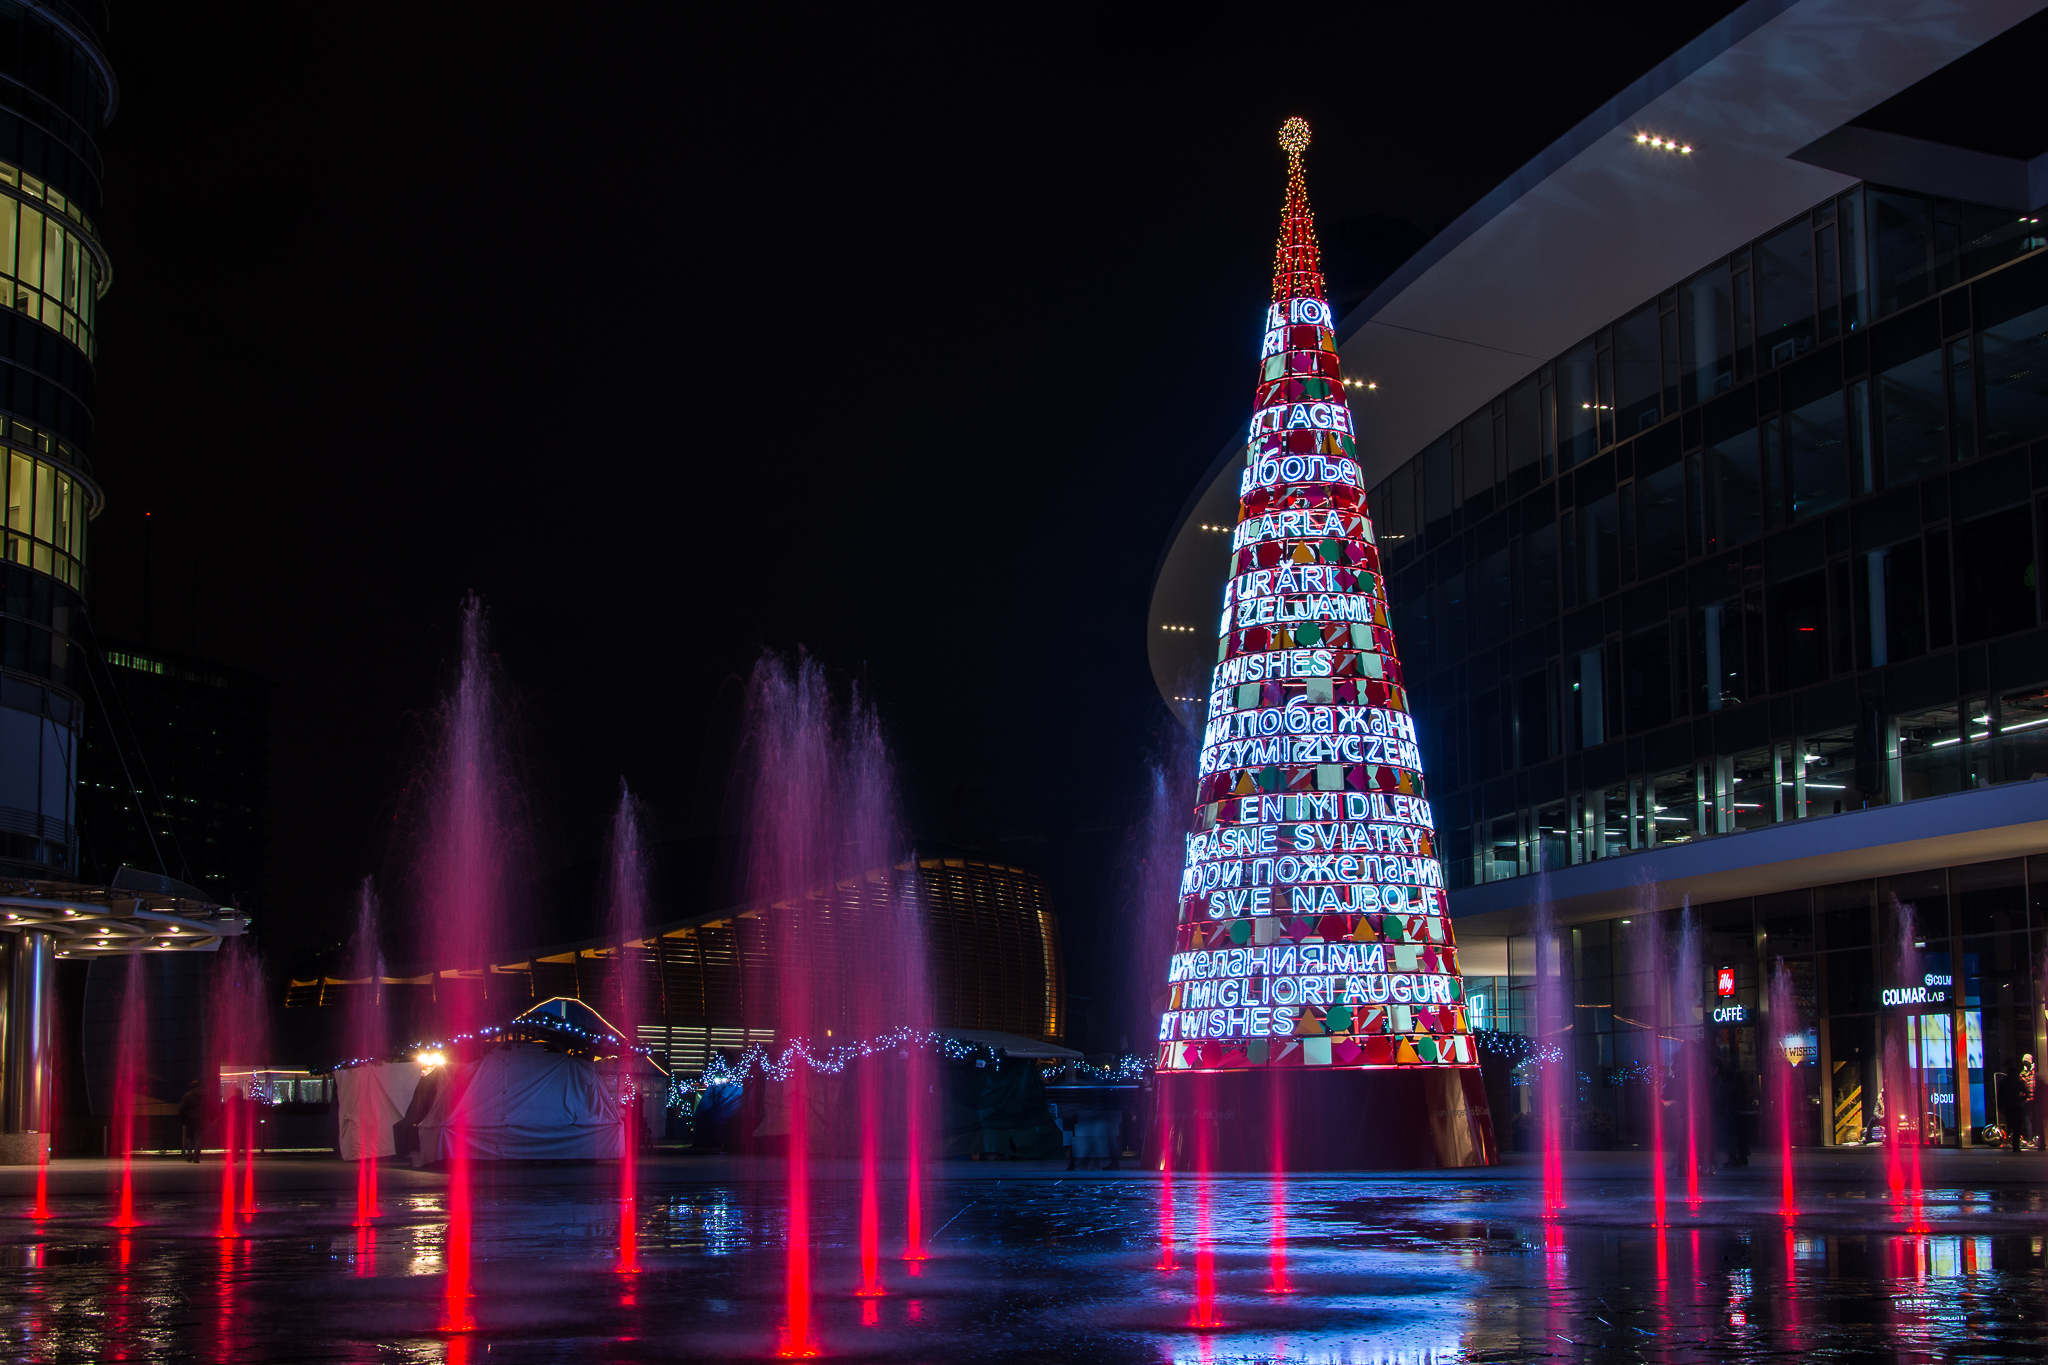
(1031, 1263)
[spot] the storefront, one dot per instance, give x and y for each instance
(1901, 1005)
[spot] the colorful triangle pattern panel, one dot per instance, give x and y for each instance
(1313, 928)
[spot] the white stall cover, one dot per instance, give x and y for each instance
(523, 1104)
(373, 1097)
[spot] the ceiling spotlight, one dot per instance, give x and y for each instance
(1664, 144)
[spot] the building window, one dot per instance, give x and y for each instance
(47, 507)
(48, 269)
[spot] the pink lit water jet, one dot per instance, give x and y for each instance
(230, 1129)
(1556, 1078)
(870, 1286)
(1904, 1091)
(237, 1043)
(1277, 1281)
(914, 1094)
(249, 1122)
(1656, 973)
(1690, 1029)
(128, 1080)
(366, 1040)
(823, 859)
(1166, 1198)
(1785, 1027)
(798, 1341)
(1204, 1317)
(468, 872)
(41, 1209)
(627, 916)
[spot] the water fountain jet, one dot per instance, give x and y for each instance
(1784, 1024)
(823, 859)
(466, 879)
(128, 1080)
(627, 916)
(1690, 1027)
(366, 1039)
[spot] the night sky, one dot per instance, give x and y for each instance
(902, 341)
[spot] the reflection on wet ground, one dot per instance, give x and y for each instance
(1039, 1265)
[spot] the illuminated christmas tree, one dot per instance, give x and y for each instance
(1314, 930)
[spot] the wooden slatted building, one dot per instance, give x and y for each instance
(711, 981)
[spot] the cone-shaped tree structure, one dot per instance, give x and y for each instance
(1313, 926)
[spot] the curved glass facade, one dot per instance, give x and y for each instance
(55, 96)
(1764, 548)
(47, 508)
(48, 269)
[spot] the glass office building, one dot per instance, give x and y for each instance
(1710, 474)
(56, 93)
(1763, 548)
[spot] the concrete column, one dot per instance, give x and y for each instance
(25, 1047)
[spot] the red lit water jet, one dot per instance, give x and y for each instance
(236, 1043)
(249, 1121)
(1204, 1317)
(456, 1313)
(870, 1196)
(468, 871)
(229, 1128)
(1690, 1029)
(1903, 1093)
(1786, 1031)
(128, 1079)
(627, 916)
(914, 1092)
(822, 859)
(1277, 1281)
(798, 1341)
(1166, 1195)
(1660, 1022)
(41, 1211)
(366, 1041)
(1555, 1071)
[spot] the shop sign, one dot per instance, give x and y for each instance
(1933, 990)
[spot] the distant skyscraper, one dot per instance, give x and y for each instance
(1313, 931)
(172, 773)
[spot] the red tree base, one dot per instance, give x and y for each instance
(1418, 1118)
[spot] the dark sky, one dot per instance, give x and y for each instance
(899, 339)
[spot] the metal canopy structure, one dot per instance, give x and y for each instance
(87, 921)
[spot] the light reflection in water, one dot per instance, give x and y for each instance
(1384, 1271)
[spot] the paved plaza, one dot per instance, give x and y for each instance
(1032, 1263)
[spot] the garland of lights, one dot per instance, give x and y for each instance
(781, 1066)
(831, 1061)
(495, 1032)
(1123, 1070)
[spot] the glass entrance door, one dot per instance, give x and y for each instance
(1933, 1082)
(1931, 1067)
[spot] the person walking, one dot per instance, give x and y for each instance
(191, 1114)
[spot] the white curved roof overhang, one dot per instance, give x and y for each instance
(1592, 227)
